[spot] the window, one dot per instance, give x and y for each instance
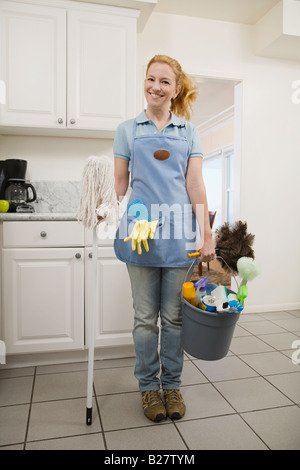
(218, 169)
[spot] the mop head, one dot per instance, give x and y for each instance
(232, 243)
(248, 269)
(98, 196)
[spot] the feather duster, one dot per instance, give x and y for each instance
(232, 243)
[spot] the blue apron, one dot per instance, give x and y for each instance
(158, 180)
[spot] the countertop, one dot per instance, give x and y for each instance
(13, 216)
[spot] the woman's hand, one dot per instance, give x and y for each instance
(207, 250)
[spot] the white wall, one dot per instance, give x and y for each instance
(270, 165)
(53, 158)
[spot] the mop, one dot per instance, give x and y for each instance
(98, 198)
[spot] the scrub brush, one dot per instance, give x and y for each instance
(248, 269)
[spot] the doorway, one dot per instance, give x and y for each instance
(217, 116)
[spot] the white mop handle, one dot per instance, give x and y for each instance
(92, 318)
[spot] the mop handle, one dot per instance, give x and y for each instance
(196, 253)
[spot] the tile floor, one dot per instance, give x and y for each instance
(248, 400)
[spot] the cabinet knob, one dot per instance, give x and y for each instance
(43, 234)
(72, 121)
(78, 256)
(90, 255)
(60, 120)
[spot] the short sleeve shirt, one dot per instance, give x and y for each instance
(145, 126)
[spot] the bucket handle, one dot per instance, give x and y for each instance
(189, 271)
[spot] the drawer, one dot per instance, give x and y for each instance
(105, 235)
(42, 234)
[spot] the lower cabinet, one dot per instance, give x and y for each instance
(47, 272)
(43, 299)
(114, 321)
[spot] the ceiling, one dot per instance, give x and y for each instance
(236, 11)
(216, 97)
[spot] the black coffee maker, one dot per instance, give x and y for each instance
(13, 186)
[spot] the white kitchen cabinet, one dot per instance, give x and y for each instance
(114, 321)
(46, 289)
(32, 64)
(43, 299)
(43, 288)
(67, 67)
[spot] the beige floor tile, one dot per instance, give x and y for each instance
(281, 341)
(122, 411)
(289, 384)
(262, 327)
(60, 386)
(279, 428)
(248, 345)
(191, 374)
(282, 315)
(115, 380)
(60, 418)
(13, 421)
(5, 372)
(202, 401)
(251, 394)
(15, 390)
(228, 368)
(83, 442)
(219, 433)
(270, 363)
(290, 324)
(240, 331)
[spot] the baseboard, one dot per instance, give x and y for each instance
(65, 357)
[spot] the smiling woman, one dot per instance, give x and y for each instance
(176, 83)
(173, 178)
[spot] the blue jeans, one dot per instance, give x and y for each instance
(157, 291)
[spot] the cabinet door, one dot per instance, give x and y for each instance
(43, 299)
(114, 320)
(101, 69)
(33, 64)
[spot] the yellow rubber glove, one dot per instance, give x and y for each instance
(142, 230)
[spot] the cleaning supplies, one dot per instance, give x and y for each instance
(208, 303)
(142, 230)
(200, 287)
(189, 292)
(248, 269)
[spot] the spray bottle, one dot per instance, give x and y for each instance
(200, 287)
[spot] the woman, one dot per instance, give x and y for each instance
(164, 155)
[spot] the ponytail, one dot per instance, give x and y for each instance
(183, 103)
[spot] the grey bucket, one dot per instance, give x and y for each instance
(206, 335)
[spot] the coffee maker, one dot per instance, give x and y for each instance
(13, 186)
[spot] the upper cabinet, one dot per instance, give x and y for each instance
(67, 69)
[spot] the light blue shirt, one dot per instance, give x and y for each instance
(145, 126)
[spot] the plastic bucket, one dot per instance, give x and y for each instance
(207, 335)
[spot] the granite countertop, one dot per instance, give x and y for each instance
(56, 200)
(52, 216)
